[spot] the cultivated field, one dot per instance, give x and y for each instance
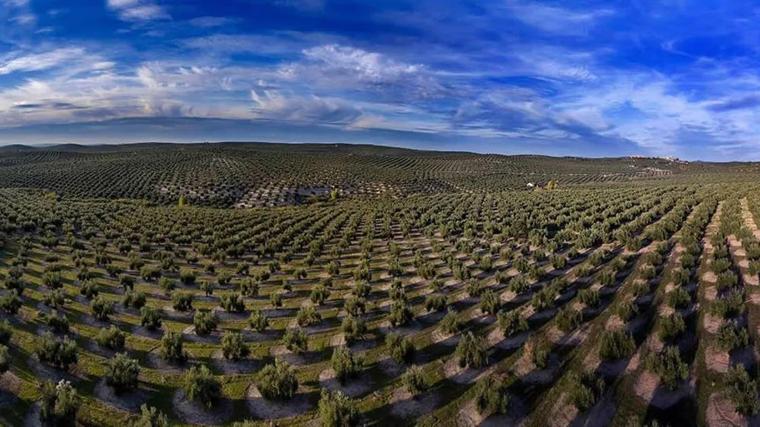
(361, 285)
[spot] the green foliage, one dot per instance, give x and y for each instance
(585, 389)
(568, 319)
(112, 338)
(400, 348)
(353, 328)
(277, 381)
(413, 380)
(59, 404)
(182, 301)
(616, 344)
(10, 303)
(742, 391)
(308, 316)
(295, 340)
(172, 347)
(232, 303)
(233, 346)
(150, 318)
(678, 298)
(337, 410)
(491, 396)
(345, 364)
(204, 322)
(489, 302)
(471, 351)
(258, 321)
(60, 353)
(671, 327)
(451, 324)
(122, 372)
(589, 297)
(201, 385)
(511, 323)
(400, 314)
(667, 364)
(732, 336)
(435, 302)
(101, 308)
(150, 417)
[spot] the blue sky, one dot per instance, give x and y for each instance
(589, 78)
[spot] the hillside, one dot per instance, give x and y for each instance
(437, 295)
(258, 174)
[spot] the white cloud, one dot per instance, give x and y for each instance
(553, 19)
(137, 10)
(368, 66)
(271, 104)
(39, 61)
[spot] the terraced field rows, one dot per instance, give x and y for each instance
(585, 306)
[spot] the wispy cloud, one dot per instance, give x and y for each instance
(40, 61)
(555, 19)
(137, 10)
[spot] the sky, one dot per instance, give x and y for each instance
(587, 78)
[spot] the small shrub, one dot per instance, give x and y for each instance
(435, 302)
(10, 303)
(295, 340)
(172, 347)
(150, 318)
(585, 390)
(742, 391)
(400, 348)
(58, 353)
(491, 396)
(319, 294)
(732, 336)
(182, 301)
(413, 380)
(258, 321)
(667, 364)
(201, 385)
(112, 338)
(134, 299)
(616, 344)
(511, 323)
(400, 314)
(122, 373)
(308, 316)
(489, 302)
(589, 297)
(471, 351)
(337, 410)
(101, 308)
(150, 417)
(233, 346)
(451, 324)
(568, 319)
(277, 382)
(204, 322)
(678, 298)
(59, 404)
(345, 364)
(5, 359)
(353, 328)
(672, 327)
(232, 303)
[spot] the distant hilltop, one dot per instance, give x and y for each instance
(668, 158)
